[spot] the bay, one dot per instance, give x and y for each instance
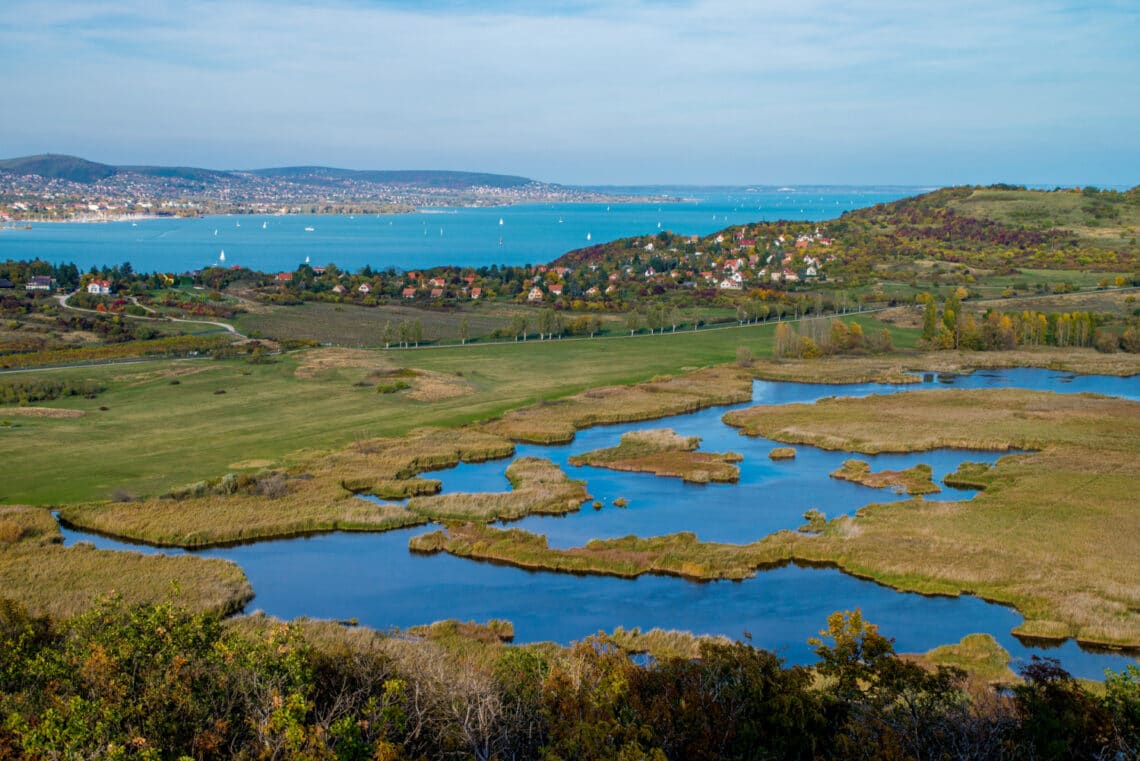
(466, 237)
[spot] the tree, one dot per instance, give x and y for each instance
(417, 332)
(464, 330)
(633, 322)
(595, 325)
(929, 321)
(387, 333)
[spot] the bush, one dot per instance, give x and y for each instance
(1106, 342)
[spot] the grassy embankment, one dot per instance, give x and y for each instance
(38, 572)
(663, 452)
(1050, 535)
(913, 481)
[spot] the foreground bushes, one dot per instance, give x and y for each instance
(155, 682)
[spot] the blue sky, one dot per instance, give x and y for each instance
(649, 91)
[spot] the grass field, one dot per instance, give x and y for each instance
(156, 434)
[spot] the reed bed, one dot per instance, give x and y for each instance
(1052, 533)
(914, 481)
(315, 496)
(539, 487)
(678, 554)
(556, 422)
(979, 655)
(663, 644)
(49, 579)
(663, 452)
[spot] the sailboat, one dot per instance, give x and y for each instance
(222, 256)
(215, 232)
(560, 220)
(306, 260)
(588, 236)
(238, 224)
(265, 225)
(500, 220)
(308, 229)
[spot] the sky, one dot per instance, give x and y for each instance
(587, 91)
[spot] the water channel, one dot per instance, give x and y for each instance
(375, 579)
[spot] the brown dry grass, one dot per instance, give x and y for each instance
(904, 368)
(663, 452)
(429, 386)
(539, 488)
(49, 579)
(1052, 534)
(556, 422)
(317, 362)
(913, 481)
(320, 495)
(40, 412)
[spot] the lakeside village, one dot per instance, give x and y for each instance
(601, 279)
(28, 198)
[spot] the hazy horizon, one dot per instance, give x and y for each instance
(589, 93)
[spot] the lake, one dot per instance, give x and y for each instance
(375, 579)
(468, 237)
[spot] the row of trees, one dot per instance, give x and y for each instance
(154, 682)
(954, 328)
(819, 337)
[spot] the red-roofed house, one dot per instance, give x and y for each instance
(99, 287)
(284, 277)
(409, 292)
(364, 288)
(437, 293)
(556, 289)
(476, 292)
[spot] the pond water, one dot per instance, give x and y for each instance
(375, 579)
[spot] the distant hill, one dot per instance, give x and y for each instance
(178, 173)
(59, 167)
(75, 169)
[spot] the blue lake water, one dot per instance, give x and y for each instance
(374, 578)
(533, 233)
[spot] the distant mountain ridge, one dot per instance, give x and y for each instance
(83, 171)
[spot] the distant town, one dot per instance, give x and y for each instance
(54, 188)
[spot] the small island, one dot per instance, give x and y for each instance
(664, 452)
(912, 481)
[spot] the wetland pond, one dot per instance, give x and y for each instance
(376, 580)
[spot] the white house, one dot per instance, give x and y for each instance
(99, 287)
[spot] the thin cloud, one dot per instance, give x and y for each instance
(585, 91)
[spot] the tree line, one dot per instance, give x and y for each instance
(158, 682)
